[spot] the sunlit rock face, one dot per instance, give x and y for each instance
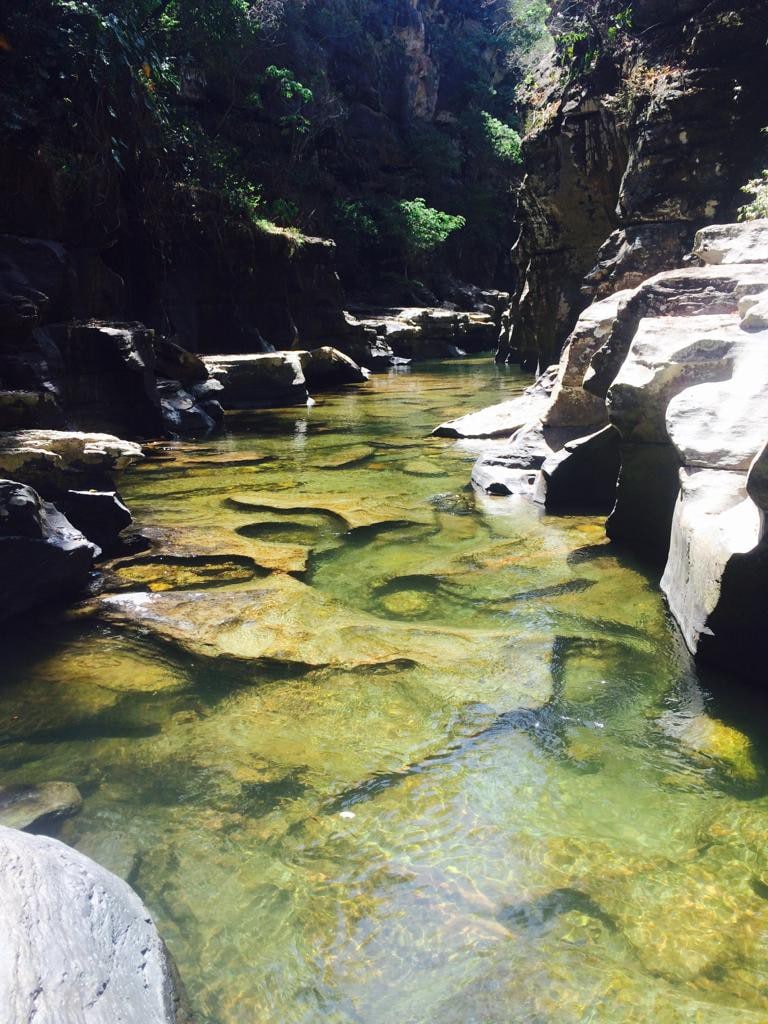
(689, 404)
(673, 378)
(84, 945)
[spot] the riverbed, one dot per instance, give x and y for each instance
(465, 773)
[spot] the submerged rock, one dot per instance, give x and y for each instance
(26, 806)
(282, 620)
(84, 945)
(201, 546)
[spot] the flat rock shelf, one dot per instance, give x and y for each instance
(373, 748)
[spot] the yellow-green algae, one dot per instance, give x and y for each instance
(375, 751)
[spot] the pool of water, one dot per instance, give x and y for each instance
(404, 755)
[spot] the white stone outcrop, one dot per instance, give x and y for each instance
(504, 418)
(78, 945)
(733, 243)
(557, 413)
(570, 405)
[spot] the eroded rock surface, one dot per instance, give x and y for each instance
(504, 418)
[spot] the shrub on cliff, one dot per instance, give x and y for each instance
(503, 140)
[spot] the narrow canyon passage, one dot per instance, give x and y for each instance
(377, 750)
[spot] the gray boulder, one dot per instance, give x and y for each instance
(263, 381)
(108, 381)
(184, 415)
(101, 516)
(570, 405)
(81, 947)
(733, 243)
(692, 291)
(581, 475)
(327, 367)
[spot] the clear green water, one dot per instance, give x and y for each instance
(471, 777)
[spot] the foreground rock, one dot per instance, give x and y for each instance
(84, 946)
(43, 558)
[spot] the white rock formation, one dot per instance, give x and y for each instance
(733, 243)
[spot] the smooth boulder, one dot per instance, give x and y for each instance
(56, 460)
(81, 947)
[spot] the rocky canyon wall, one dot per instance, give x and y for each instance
(642, 127)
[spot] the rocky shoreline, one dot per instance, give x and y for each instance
(656, 414)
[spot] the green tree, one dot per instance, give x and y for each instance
(421, 229)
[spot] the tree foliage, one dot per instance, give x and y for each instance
(421, 228)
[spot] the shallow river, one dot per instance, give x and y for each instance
(414, 756)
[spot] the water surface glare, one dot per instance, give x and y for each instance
(395, 754)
